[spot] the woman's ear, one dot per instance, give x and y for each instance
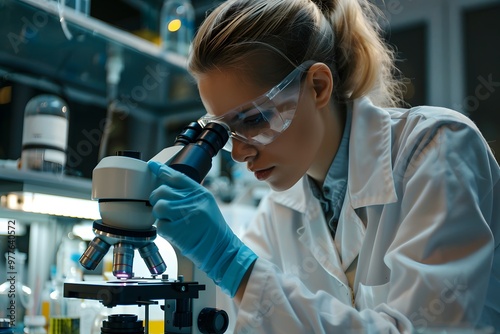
(321, 79)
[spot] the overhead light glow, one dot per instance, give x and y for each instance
(51, 205)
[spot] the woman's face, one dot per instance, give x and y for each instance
(285, 160)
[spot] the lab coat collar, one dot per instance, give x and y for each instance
(296, 197)
(370, 175)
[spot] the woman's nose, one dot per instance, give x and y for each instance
(242, 152)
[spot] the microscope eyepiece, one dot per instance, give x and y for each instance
(215, 136)
(195, 159)
(188, 134)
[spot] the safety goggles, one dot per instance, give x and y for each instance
(261, 120)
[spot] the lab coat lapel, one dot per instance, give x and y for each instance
(371, 180)
(316, 237)
(370, 175)
(350, 234)
(314, 234)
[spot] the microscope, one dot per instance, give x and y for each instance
(122, 185)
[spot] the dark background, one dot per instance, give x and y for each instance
(481, 54)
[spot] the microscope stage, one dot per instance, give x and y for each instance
(132, 291)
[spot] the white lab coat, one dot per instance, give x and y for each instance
(421, 216)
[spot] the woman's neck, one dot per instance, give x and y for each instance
(334, 122)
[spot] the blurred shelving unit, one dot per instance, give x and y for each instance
(67, 50)
(67, 53)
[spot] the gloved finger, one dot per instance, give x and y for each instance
(179, 211)
(179, 200)
(155, 167)
(171, 177)
(167, 211)
(167, 193)
(161, 209)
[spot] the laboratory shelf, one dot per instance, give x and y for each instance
(67, 52)
(15, 180)
(27, 195)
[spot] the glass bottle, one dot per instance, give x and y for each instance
(15, 296)
(34, 324)
(45, 134)
(177, 26)
(64, 315)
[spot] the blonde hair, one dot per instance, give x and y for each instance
(268, 38)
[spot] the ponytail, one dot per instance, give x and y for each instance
(256, 36)
(365, 63)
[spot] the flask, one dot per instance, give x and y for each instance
(177, 26)
(34, 324)
(45, 134)
(64, 315)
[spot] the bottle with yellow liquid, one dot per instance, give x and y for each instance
(64, 315)
(45, 304)
(177, 26)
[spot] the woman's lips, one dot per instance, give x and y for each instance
(263, 174)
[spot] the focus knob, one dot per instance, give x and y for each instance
(213, 321)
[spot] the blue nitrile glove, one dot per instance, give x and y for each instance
(188, 217)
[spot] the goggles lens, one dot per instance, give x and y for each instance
(260, 121)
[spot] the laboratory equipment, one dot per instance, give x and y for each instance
(122, 184)
(34, 324)
(45, 134)
(177, 26)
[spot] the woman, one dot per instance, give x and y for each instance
(380, 220)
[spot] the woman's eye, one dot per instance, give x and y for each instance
(251, 122)
(254, 119)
